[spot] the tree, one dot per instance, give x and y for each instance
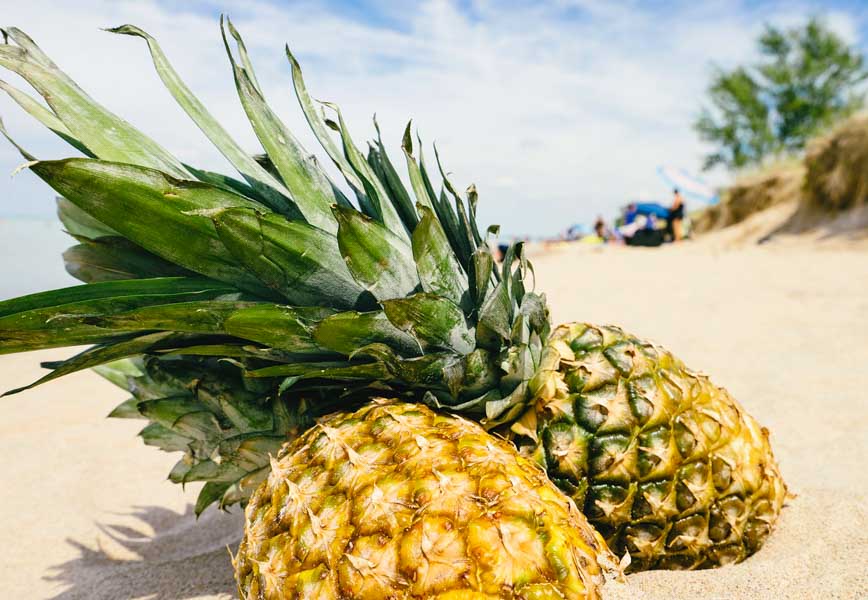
(806, 78)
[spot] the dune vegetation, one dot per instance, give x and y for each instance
(828, 182)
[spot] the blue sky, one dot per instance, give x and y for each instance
(557, 110)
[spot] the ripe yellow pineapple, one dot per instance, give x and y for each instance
(395, 501)
(256, 306)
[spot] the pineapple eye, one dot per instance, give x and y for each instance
(644, 539)
(728, 555)
(640, 390)
(609, 503)
(755, 534)
(589, 338)
(612, 457)
(672, 387)
(684, 498)
(576, 379)
(710, 427)
(654, 452)
(688, 533)
(725, 517)
(621, 356)
(641, 508)
(721, 473)
(590, 412)
(685, 440)
(606, 409)
(566, 447)
(655, 499)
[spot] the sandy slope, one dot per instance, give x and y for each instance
(86, 512)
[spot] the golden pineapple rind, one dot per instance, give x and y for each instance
(665, 464)
(395, 501)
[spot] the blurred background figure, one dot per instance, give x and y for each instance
(630, 213)
(575, 232)
(601, 229)
(676, 217)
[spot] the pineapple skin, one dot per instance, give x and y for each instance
(665, 465)
(394, 501)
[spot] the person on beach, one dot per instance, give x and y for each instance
(600, 229)
(676, 217)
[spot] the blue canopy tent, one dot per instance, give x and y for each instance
(652, 208)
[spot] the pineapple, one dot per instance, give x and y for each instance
(244, 310)
(395, 501)
(666, 465)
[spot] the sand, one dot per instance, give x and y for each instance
(86, 511)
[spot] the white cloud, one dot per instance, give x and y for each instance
(556, 112)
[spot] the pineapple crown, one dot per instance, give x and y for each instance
(277, 273)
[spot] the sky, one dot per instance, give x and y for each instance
(557, 111)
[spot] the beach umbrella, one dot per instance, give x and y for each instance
(692, 187)
(652, 208)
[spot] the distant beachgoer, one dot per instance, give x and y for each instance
(630, 213)
(600, 228)
(676, 217)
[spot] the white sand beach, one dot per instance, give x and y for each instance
(86, 511)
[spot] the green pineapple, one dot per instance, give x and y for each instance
(667, 466)
(258, 306)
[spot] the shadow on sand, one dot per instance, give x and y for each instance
(155, 553)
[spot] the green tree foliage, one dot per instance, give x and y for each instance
(806, 78)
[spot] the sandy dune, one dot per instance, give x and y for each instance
(86, 512)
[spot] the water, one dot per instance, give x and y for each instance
(30, 256)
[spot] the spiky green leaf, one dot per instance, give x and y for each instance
(308, 184)
(414, 171)
(271, 190)
(348, 331)
(204, 316)
(375, 191)
(495, 317)
(319, 128)
(113, 257)
(437, 323)
(71, 316)
(392, 183)
(80, 224)
(210, 493)
(296, 260)
(163, 438)
(168, 219)
(100, 355)
(334, 371)
(281, 327)
(438, 268)
(481, 269)
(143, 291)
(97, 129)
(376, 257)
(44, 116)
(182, 414)
(119, 372)
(128, 409)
